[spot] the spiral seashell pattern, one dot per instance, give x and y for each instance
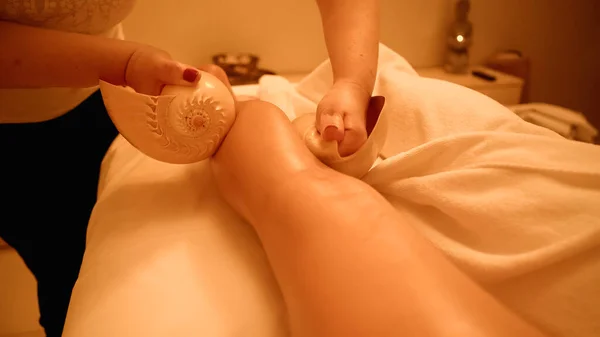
(183, 125)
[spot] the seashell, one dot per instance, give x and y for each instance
(180, 126)
(359, 163)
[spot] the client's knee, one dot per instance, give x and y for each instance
(263, 130)
(261, 114)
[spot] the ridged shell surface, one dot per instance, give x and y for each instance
(182, 125)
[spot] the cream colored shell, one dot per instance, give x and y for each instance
(187, 124)
(359, 163)
(183, 125)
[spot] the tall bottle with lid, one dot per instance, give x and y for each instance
(460, 36)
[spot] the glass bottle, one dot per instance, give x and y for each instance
(459, 39)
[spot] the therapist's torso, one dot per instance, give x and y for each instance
(94, 17)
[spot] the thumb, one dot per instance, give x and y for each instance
(175, 73)
(330, 123)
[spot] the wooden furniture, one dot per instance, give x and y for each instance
(505, 89)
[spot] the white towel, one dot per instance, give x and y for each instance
(278, 91)
(569, 124)
(561, 127)
(514, 205)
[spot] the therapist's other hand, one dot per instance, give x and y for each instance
(341, 116)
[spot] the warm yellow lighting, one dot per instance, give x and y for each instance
(460, 38)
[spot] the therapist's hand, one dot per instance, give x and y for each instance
(341, 116)
(149, 69)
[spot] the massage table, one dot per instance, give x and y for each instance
(513, 205)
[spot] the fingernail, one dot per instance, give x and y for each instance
(332, 133)
(190, 75)
(333, 120)
(333, 127)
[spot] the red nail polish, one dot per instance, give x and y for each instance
(190, 74)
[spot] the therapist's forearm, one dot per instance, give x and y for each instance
(34, 57)
(351, 29)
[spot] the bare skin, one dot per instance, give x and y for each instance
(347, 262)
(62, 59)
(39, 58)
(351, 29)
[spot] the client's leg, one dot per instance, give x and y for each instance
(347, 263)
